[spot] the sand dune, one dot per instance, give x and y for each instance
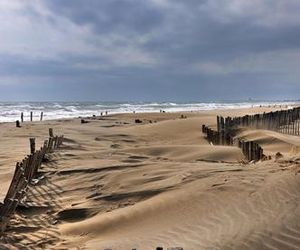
(187, 153)
(204, 213)
(273, 141)
(120, 185)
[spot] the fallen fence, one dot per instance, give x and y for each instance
(26, 173)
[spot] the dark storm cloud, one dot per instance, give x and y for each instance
(110, 16)
(152, 49)
(184, 29)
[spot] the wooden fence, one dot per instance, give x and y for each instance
(283, 121)
(251, 149)
(25, 175)
(31, 116)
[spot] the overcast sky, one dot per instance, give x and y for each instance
(150, 50)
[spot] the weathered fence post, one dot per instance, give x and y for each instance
(45, 143)
(31, 115)
(18, 124)
(32, 145)
(203, 128)
(218, 124)
(50, 132)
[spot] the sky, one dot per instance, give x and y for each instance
(149, 50)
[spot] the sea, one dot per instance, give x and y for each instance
(10, 111)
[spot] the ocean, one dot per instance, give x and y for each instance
(10, 111)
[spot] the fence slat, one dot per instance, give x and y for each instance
(24, 172)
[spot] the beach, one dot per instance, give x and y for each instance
(118, 184)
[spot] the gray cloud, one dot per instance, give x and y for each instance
(132, 16)
(152, 49)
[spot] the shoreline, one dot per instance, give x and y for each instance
(192, 107)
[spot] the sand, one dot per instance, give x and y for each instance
(115, 184)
